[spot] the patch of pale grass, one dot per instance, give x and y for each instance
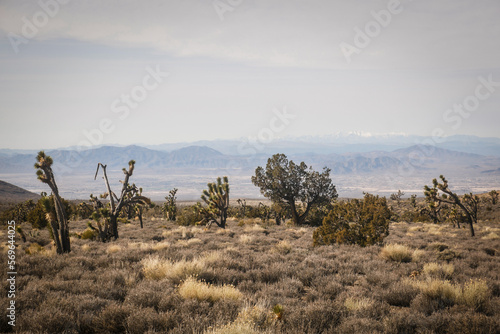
(139, 245)
(85, 247)
(491, 236)
(435, 229)
(251, 320)
(202, 291)
(396, 252)
(161, 246)
(283, 247)
(418, 228)
(113, 249)
(34, 248)
(246, 239)
(436, 270)
(167, 233)
(436, 289)
(418, 255)
(234, 328)
(254, 228)
(357, 304)
(212, 257)
(196, 229)
(475, 294)
(157, 269)
(194, 241)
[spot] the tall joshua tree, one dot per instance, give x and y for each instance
(468, 205)
(129, 195)
(217, 200)
(60, 229)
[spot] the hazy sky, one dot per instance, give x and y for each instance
(68, 68)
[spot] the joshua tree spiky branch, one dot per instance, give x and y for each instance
(217, 200)
(129, 195)
(170, 206)
(60, 228)
(469, 205)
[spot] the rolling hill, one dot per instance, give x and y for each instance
(10, 193)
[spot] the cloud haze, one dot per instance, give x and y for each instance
(230, 73)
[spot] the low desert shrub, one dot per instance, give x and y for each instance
(400, 294)
(362, 222)
(396, 252)
(89, 234)
(201, 291)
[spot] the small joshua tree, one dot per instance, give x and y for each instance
(217, 200)
(441, 193)
(397, 196)
(493, 196)
(170, 206)
(129, 195)
(59, 222)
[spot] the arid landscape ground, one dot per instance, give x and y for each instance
(259, 278)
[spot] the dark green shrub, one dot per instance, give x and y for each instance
(188, 215)
(362, 222)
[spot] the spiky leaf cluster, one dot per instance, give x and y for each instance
(217, 200)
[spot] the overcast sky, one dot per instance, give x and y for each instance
(68, 68)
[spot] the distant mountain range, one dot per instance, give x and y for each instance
(419, 157)
(192, 166)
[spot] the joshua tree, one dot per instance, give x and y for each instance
(170, 206)
(243, 207)
(397, 196)
(493, 196)
(60, 229)
(129, 195)
(217, 200)
(469, 204)
(286, 183)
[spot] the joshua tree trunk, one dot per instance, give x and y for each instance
(60, 231)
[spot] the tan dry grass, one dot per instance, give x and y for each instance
(194, 289)
(396, 252)
(156, 268)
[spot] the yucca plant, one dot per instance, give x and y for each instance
(59, 220)
(216, 199)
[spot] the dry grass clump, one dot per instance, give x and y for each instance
(254, 228)
(357, 304)
(156, 268)
(475, 294)
(234, 328)
(396, 252)
(283, 247)
(246, 239)
(255, 319)
(139, 245)
(418, 255)
(491, 236)
(201, 291)
(160, 246)
(436, 270)
(112, 249)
